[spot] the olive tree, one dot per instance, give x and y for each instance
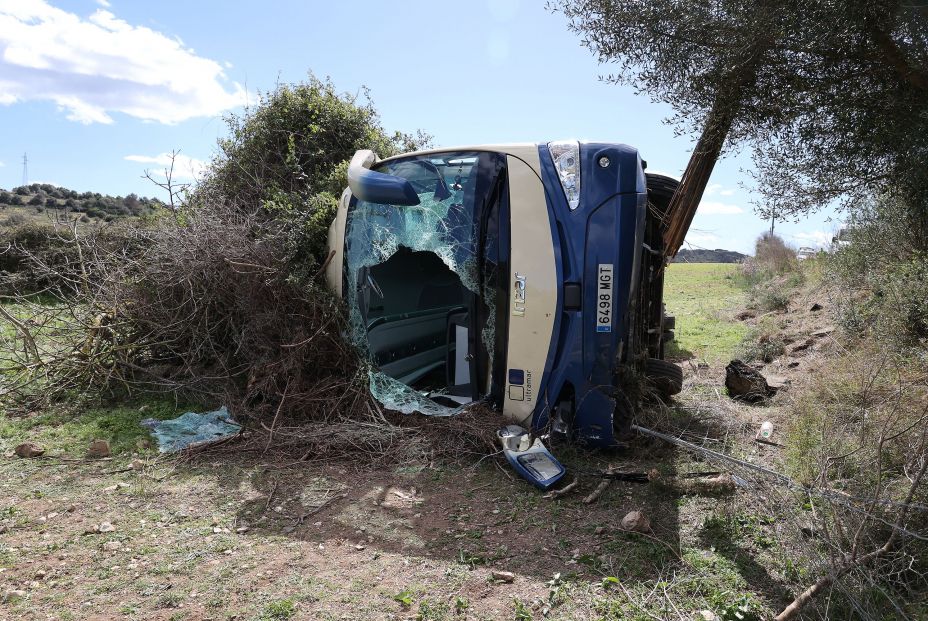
(832, 95)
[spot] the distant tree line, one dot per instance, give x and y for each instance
(93, 204)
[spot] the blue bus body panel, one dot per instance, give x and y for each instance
(605, 229)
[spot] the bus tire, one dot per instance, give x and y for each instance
(666, 377)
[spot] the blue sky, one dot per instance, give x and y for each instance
(97, 91)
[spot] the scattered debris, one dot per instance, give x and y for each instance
(29, 449)
(564, 490)
(723, 482)
(637, 522)
(529, 457)
(766, 430)
(98, 449)
(503, 576)
(192, 428)
(596, 493)
(745, 383)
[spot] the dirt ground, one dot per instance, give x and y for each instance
(233, 535)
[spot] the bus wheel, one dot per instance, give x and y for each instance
(666, 377)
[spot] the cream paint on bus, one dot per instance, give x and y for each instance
(533, 284)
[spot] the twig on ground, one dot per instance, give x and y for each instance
(556, 493)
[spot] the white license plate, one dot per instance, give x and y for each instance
(604, 298)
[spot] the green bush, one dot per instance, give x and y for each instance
(882, 274)
(288, 156)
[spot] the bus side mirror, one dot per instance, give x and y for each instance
(374, 187)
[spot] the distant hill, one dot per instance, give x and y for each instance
(703, 255)
(41, 200)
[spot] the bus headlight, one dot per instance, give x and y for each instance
(566, 156)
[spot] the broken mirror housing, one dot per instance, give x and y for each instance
(377, 187)
(523, 276)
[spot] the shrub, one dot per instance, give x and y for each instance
(226, 298)
(287, 158)
(882, 275)
(773, 254)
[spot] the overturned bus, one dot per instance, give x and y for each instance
(527, 276)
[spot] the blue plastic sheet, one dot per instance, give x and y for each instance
(192, 428)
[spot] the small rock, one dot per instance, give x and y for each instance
(707, 615)
(503, 576)
(40, 575)
(98, 449)
(137, 465)
(241, 530)
(815, 307)
(112, 546)
(71, 508)
(359, 547)
(778, 382)
(11, 597)
(105, 527)
(600, 530)
(29, 449)
(636, 521)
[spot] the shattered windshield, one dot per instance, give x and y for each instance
(418, 293)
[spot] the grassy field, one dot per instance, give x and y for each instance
(704, 297)
(242, 534)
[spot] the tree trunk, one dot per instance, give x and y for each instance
(718, 124)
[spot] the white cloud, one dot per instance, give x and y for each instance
(718, 188)
(184, 167)
(2, 164)
(702, 239)
(716, 208)
(105, 3)
(92, 67)
(819, 239)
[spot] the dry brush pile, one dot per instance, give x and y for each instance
(220, 301)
